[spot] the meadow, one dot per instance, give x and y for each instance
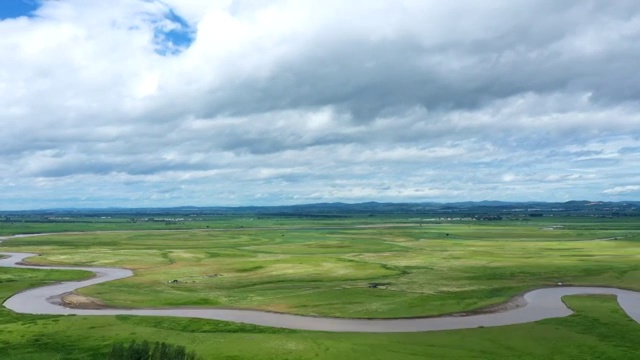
(412, 269)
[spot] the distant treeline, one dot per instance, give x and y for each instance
(341, 210)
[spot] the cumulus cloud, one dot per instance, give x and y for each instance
(619, 190)
(148, 102)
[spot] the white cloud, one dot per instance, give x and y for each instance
(620, 190)
(302, 100)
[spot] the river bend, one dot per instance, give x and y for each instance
(539, 304)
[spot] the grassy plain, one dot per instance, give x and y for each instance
(598, 330)
(42, 224)
(319, 267)
(314, 270)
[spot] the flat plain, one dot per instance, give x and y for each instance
(397, 268)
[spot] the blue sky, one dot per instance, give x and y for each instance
(175, 39)
(15, 8)
(172, 33)
(196, 102)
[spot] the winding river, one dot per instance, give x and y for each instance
(539, 304)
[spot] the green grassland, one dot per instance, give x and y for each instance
(319, 269)
(42, 224)
(598, 330)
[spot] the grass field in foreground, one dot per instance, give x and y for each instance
(599, 330)
(421, 270)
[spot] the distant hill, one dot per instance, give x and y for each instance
(372, 207)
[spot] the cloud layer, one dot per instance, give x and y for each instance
(160, 103)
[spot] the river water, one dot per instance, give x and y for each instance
(539, 304)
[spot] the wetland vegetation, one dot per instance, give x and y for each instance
(326, 267)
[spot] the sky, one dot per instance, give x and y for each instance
(145, 103)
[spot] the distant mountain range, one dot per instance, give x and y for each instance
(335, 208)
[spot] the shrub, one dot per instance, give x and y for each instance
(147, 351)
